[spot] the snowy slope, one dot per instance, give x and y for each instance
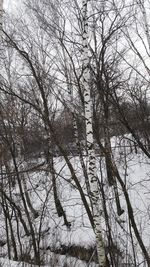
(135, 171)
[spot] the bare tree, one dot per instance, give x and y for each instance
(60, 71)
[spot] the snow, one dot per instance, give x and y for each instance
(55, 233)
(59, 262)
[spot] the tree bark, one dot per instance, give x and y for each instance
(97, 206)
(1, 16)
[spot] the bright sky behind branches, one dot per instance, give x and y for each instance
(11, 5)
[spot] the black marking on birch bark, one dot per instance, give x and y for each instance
(90, 147)
(90, 132)
(92, 163)
(93, 180)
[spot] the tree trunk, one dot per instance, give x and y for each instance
(97, 209)
(1, 15)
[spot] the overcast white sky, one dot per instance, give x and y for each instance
(11, 5)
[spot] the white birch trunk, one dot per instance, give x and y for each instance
(96, 203)
(1, 16)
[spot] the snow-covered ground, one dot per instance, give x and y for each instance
(135, 171)
(57, 262)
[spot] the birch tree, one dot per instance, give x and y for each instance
(97, 209)
(1, 14)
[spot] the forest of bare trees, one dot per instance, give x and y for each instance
(75, 133)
